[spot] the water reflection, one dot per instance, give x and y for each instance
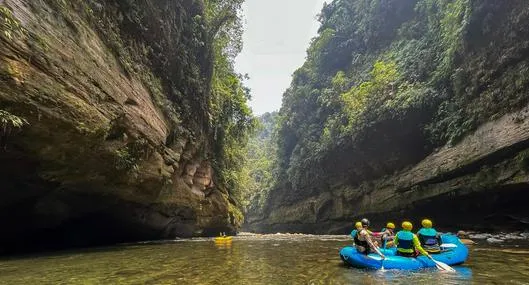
(223, 245)
(247, 260)
(463, 275)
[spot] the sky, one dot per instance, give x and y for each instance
(276, 37)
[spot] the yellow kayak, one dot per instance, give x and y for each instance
(223, 239)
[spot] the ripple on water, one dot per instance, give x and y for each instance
(249, 259)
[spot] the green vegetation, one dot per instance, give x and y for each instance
(128, 157)
(261, 162)
(9, 26)
(125, 161)
(231, 119)
(356, 100)
(426, 72)
(8, 122)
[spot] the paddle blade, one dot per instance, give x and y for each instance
(443, 266)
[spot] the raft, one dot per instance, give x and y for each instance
(451, 256)
(223, 239)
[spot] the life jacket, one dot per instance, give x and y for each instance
(428, 239)
(353, 234)
(405, 242)
(359, 242)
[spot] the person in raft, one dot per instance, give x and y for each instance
(408, 243)
(429, 237)
(364, 244)
(388, 234)
(358, 227)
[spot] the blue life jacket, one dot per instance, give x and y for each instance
(353, 233)
(428, 237)
(405, 242)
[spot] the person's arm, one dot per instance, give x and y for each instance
(369, 241)
(373, 246)
(418, 246)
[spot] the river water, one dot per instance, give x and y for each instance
(250, 259)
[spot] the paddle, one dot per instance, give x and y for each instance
(449, 245)
(377, 251)
(383, 257)
(372, 245)
(442, 266)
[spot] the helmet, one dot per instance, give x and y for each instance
(365, 222)
(426, 223)
(390, 226)
(358, 225)
(407, 226)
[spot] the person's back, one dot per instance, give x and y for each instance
(388, 234)
(363, 240)
(429, 237)
(354, 233)
(364, 243)
(407, 242)
(404, 243)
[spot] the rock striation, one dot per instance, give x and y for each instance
(117, 138)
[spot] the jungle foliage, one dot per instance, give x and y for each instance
(452, 64)
(261, 163)
(231, 119)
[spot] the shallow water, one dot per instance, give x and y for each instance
(251, 259)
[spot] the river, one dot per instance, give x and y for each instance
(250, 259)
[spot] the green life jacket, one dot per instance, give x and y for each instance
(405, 242)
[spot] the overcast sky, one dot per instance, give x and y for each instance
(276, 37)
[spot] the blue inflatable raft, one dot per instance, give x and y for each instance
(457, 253)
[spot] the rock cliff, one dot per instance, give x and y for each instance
(404, 110)
(481, 183)
(115, 144)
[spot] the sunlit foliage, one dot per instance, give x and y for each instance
(449, 65)
(231, 119)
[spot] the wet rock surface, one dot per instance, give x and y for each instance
(116, 144)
